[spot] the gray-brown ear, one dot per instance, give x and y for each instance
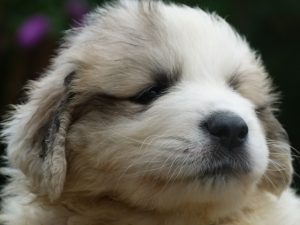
(36, 135)
(279, 173)
(52, 152)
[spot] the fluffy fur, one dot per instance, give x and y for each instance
(84, 150)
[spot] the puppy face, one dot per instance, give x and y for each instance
(167, 106)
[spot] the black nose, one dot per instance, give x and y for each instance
(229, 129)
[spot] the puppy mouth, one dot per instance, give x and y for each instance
(229, 167)
(223, 161)
(198, 162)
(216, 172)
(206, 167)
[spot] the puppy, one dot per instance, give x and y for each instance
(150, 114)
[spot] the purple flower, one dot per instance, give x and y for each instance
(32, 31)
(76, 10)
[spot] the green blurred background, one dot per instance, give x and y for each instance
(30, 32)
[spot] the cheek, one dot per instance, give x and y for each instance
(110, 146)
(257, 147)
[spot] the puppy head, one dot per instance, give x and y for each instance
(166, 106)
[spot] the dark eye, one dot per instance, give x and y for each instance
(148, 95)
(260, 109)
(234, 82)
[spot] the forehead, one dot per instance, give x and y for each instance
(210, 49)
(133, 44)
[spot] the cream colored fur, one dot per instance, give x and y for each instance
(82, 151)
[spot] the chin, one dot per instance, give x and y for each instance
(151, 113)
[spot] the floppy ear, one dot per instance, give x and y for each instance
(279, 173)
(36, 135)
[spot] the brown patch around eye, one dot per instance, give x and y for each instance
(106, 106)
(234, 82)
(260, 109)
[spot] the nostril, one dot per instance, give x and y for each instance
(243, 131)
(227, 128)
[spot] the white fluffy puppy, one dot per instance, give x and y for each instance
(151, 114)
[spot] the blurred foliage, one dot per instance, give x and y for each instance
(15, 12)
(272, 27)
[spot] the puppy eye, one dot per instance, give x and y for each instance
(234, 82)
(148, 95)
(260, 109)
